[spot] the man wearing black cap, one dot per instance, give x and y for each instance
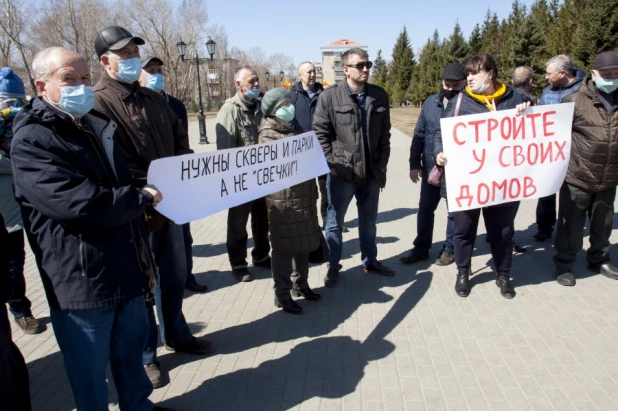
(421, 163)
(153, 78)
(147, 129)
(590, 184)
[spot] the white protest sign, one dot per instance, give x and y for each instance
(197, 185)
(498, 157)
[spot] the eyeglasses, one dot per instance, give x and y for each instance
(361, 66)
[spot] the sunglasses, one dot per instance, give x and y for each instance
(361, 66)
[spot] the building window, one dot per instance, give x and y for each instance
(338, 54)
(213, 76)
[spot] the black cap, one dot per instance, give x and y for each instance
(148, 59)
(114, 38)
(454, 71)
(606, 60)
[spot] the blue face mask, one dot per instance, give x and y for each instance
(286, 113)
(75, 100)
(129, 70)
(155, 82)
(252, 93)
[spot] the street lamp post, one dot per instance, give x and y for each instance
(201, 119)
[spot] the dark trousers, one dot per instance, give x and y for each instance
(430, 198)
(14, 382)
(19, 305)
(546, 214)
(90, 340)
(188, 238)
(169, 291)
(283, 264)
(499, 223)
(575, 205)
(237, 236)
(323, 198)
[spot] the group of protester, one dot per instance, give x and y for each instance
(78, 158)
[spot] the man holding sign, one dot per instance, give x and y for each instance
(483, 94)
(592, 176)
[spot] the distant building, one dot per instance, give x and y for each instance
(331, 67)
(318, 72)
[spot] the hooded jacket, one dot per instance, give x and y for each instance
(147, 128)
(593, 165)
(305, 105)
(555, 94)
(84, 220)
(292, 212)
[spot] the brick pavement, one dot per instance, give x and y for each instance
(372, 343)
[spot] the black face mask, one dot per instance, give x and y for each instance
(449, 94)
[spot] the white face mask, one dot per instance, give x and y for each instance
(481, 87)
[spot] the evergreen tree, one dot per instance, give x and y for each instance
(540, 19)
(596, 32)
(475, 42)
(431, 64)
(519, 33)
(456, 49)
(379, 71)
(401, 68)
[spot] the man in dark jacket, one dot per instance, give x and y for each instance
(523, 76)
(564, 79)
(85, 224)
(153, 77)
(14, 381)
(352, 123)
(147, 129)
(421, 163)
(592, 176)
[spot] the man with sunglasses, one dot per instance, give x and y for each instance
(352, 123)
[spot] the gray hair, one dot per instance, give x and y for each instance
(522, 76)
(45, 61)
(561, 62)
(303, 63)
(347, 56)
(239, 70)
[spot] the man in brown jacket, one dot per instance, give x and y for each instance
(592, 176)
(147, 129)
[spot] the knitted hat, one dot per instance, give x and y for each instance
(272, 99)
(11, 85)
(454, 71)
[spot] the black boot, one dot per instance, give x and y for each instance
(306, 292)
(462, 284)
(288, 305)
(506, 288)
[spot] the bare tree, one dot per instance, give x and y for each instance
(13, 25)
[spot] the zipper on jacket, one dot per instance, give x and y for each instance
(609, 141)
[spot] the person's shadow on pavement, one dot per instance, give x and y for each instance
(327, 367)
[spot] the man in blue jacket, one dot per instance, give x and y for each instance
(153, 77)
(421, 163)
(86, 227)
(564, 79)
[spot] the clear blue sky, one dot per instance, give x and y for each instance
(308, 25)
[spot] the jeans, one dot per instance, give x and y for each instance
(283, 264)
(546, 214)
(19, 305)
(499, 222)
(169, 292)
(188, 239)
(575, 205)
(340, 194)
(91, 339)
(14, 382)
(430, 198)
(237, 236)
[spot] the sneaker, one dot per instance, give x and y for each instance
(242, 275)
(29, 324)
(446, 257)
(193, 346)
(414, 256)
(331, 277)
(154, 374)
(378, 268)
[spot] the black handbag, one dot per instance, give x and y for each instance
(321, 254)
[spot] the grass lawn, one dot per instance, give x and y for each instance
(404, 119)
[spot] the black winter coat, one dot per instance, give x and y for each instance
(421, 149)
(305, 106)
(470, 105)
(84, 221)
(337, 124)
(292, 212)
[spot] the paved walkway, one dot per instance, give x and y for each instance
(372, 343)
